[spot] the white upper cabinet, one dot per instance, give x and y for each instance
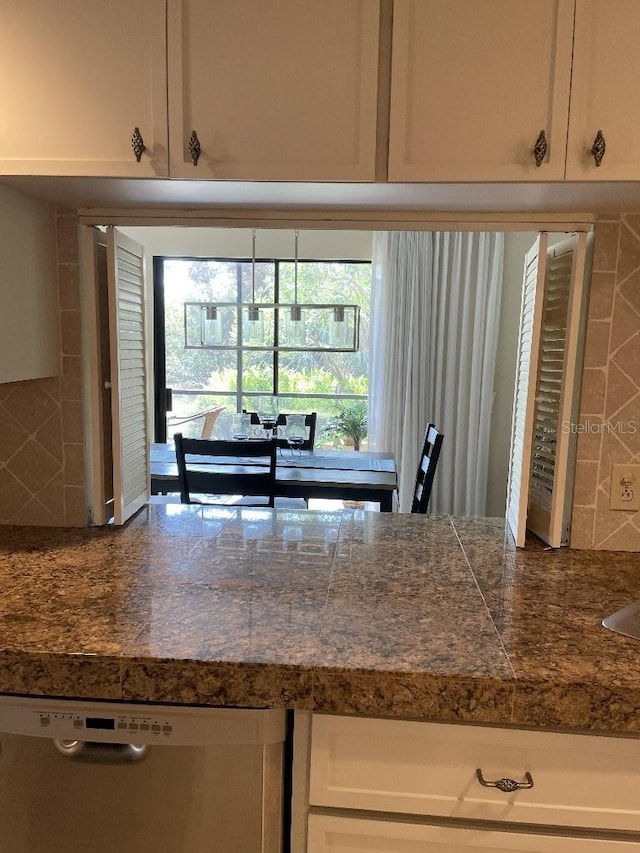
(76, 79)
(605, 92)
(279, 90)
(473, 84)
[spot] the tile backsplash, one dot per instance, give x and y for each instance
(42, 453)
(609, 419)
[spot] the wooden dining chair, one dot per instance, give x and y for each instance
(245, 468)
(310, 421)
(209, 418)
(426, 469)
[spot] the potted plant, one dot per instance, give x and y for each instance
(351, 423)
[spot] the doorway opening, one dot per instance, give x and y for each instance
(237, 383)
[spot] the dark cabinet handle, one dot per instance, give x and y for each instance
(540, 148)
(137, 143)
(598, 148)
(194, 147)
(507, 786)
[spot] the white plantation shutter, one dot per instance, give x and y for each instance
(522, 427)
(128, 371)
(551, 456)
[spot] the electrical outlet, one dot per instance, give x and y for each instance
(625, 487)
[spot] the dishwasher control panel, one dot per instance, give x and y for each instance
(124, 722)
(98, 724)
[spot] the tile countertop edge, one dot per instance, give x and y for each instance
(384, 615)
(578, 706)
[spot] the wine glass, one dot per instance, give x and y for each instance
(268, 415)
(295, 432)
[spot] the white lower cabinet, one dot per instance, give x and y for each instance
(329, 834)
(383, 785)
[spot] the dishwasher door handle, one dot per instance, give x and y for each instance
(92, 752)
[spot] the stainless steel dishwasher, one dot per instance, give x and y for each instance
(131, 778)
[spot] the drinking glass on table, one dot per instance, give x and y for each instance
(241, 426)
(268, 416)
(295, 432)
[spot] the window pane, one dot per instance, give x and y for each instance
(323, 373)
(257, 372)
(200, 280)
(187, 416)
(197, 281)
(264, 282)
(327, 281)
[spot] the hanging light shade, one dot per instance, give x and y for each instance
(210, 325)
(295, 322)
(338, 327)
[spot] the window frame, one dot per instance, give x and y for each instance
(163, 395)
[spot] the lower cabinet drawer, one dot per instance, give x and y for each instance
(431, 769)
(351, 835)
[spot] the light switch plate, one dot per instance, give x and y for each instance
(625, 487)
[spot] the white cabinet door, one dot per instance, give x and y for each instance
(76, 79)
(329, 834)
(473, 83)
(605, 91)
(273, 89)
(441, 770)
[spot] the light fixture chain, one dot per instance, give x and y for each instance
(253, 264)
(295, 270)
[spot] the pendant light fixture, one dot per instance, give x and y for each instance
(338, 327)
(254, 317)
(210, 325)
(272, 326)
(295, 323)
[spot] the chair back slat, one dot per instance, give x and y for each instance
(426, 469)
(254, 474)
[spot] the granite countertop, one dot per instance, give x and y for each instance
(348, 612)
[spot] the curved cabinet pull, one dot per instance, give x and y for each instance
(507, 786)
(137, 143)
(598, 148)
(540, 148)
(194, 147)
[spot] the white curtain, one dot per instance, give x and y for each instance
(434, 324)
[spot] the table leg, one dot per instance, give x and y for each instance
(386, 504)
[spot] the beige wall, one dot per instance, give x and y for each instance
(609, 421)
(42, 453)
(236, 242)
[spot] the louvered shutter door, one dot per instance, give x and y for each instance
(552, 436)
(128, 372)
(522, 425)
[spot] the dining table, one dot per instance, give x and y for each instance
(328, 474)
